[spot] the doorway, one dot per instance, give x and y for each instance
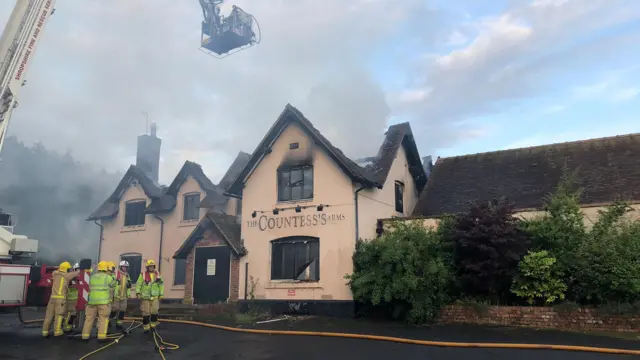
(211, 274)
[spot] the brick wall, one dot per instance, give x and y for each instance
(540, 317)
(210, 238)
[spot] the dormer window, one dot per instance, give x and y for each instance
(134, 213)
(295, 183)
(191, 207)
(399, 190)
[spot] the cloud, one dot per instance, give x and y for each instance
(516, 55)
(100, 64)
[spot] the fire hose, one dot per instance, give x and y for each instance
(391, 339)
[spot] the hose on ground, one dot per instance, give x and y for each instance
(116, 339)
(402, 340)
(162, 345)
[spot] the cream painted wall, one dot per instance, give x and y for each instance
(337, 241)
(145, 240)
(590, 215)
(377, 204)
(337, 238)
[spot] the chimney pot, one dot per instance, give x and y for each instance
(154, 129)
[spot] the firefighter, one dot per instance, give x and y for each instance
(150, 290)
(56, 308)
(122, 293)
(72, 301)
(99, 304)
(112, 267)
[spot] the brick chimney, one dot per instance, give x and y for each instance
(148, 154)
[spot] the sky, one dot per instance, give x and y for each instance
(469, 75)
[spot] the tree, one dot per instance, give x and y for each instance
(403, 273)
(489, 244)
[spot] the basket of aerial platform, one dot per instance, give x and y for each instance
(226, 35)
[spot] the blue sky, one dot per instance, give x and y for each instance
(575, 100)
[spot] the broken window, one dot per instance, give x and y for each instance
(295, 258)
(295, 183)
(191, 207)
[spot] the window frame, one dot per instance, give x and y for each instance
(127, 257)
(184, 206)
(288, 244)
(175, 270)
(289, 170)
(127, 209)
(399, 201)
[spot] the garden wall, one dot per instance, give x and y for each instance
(540, 317)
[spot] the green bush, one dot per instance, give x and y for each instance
(608, 268)
(538, 281)
(404, 272)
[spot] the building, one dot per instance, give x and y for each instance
(304, 204)
(143, 220)
(607, 169)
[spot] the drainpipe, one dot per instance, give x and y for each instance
(355, 198)
(100, 239)
(246, 279)
(161, 238)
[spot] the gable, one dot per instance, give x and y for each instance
(607, 169)
(292, 115)
(168, 200)
(110, 207)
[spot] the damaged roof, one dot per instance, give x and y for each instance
(110, 207)
(226, 226)
(167, 201)
(216, 199)
(372, 175)
(607, 169)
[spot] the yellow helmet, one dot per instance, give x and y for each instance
(64, 266)
(150, 263)
(103, 266)
(112, 265)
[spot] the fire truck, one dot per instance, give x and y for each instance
(23, 284)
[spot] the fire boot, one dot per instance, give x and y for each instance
(145, 324)
(120, 320)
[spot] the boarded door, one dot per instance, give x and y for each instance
(211, 275)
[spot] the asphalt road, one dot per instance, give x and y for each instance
(17, 342)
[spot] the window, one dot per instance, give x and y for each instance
(134, 213)
(295, 183)
(191, 206)
(295, 259)
(294, 146)
(399, 197)
(135, 264)
(179, 271)
(238, 207)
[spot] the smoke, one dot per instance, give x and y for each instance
(52, 194)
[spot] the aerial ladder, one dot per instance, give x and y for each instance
(20, 284)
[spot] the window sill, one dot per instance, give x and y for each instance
(186, 223)
(177, 287)
(288, 202)
(293, 284)
(134, 228)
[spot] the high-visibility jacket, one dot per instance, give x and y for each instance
(72, 293)
(123, 287)
(150, 285)
(60, 283)
(100, 288)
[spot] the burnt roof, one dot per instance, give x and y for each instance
(167, 201)
(111, 206)
(607, 169)
(226, 226)
(373, 175)
(217, 199)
